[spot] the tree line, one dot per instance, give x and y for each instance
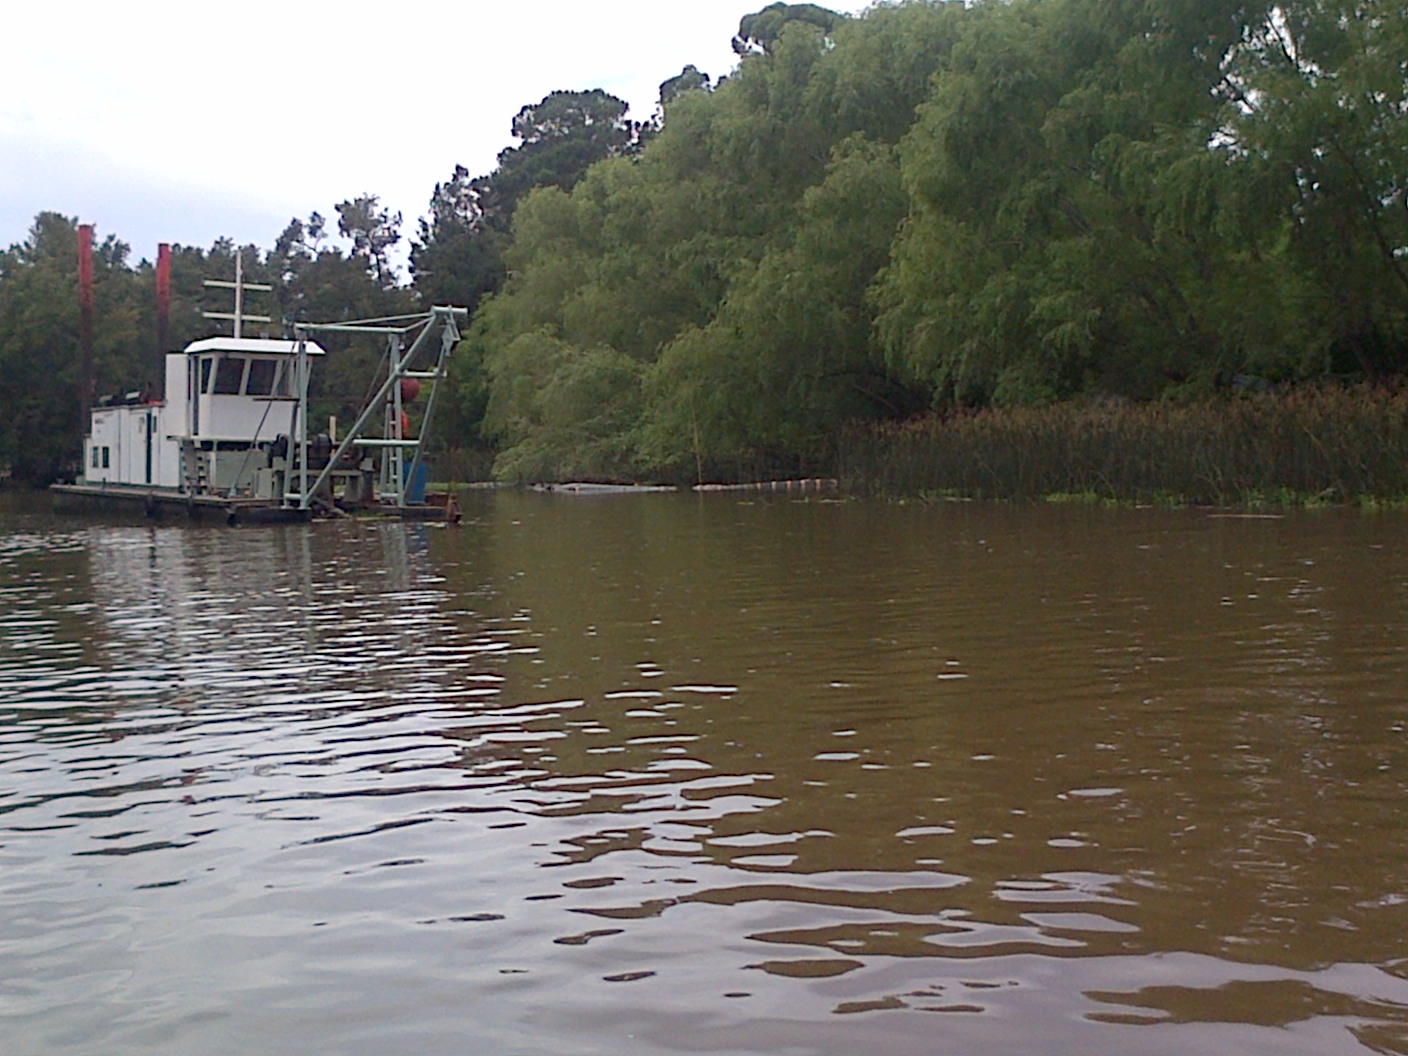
(926, 207)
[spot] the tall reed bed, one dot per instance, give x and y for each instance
(1309, 444)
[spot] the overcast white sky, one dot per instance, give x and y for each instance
(184, 122)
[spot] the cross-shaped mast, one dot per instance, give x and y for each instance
(239, 286)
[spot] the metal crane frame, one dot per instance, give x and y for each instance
(403, 363)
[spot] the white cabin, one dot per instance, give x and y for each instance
(125, 445)
(227, 400)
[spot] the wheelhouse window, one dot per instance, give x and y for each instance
(229, 376)
(105, 458)
(95, 456)
(205, 365)
(261, 377)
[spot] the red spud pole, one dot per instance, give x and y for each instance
(163, 296)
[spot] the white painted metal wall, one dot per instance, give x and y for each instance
(129, 445)
(179, 386)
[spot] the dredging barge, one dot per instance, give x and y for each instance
(229, 438)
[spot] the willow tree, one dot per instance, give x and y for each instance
(1069, 231)
(642, 249)
(1323, 124)
(787, 355)
(737, 246)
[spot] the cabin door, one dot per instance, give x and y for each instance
(193, 394)
(151, 428)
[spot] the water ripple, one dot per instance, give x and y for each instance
(747, 778)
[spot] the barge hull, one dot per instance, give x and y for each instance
(162, 503)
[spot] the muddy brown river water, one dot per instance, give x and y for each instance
(701, 774)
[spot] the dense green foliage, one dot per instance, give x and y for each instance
(459, 255)
(39, 339)
(929, 207)
(936, 205)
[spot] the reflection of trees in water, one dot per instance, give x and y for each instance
(1177, 704)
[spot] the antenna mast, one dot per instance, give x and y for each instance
(239, 286)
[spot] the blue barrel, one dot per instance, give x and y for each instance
(415, 486)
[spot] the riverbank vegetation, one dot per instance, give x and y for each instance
(1309, 445)
(936, 245)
